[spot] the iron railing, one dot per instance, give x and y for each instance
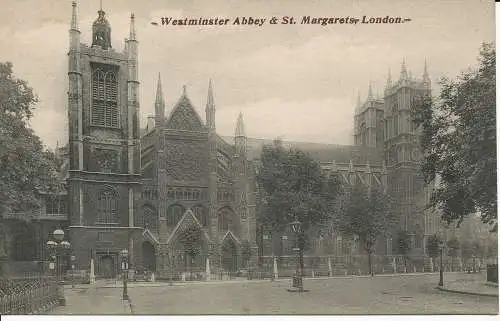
(28, 296)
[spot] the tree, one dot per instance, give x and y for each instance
(458, 139)
(492, 248)
(433, 247)
(292, 186)
(246, 253)
(404, 245)
(367, 213)
(190, 239)
(26, 167)
(453, 247)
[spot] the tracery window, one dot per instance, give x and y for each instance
(225, 217)
(107, 206)
(105, 99)
(174, 214)
(149, 218)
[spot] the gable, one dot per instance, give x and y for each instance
(185, 117)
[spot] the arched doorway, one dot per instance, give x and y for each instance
(229, 255)
(107, 267)
(149, 256)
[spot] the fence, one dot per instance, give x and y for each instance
(28, 296)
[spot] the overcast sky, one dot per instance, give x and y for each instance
(295, 81)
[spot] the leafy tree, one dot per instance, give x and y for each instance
(191, 241)
(366, 213)
(246, 253)
(404, 245)
(26, 167)
(458, 139)
(478, 249)
(292, 186)
(433, 246)
(467, 250)
(492, 248)
(453, 247)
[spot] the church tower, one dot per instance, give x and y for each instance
(104, 145)
(402, 151)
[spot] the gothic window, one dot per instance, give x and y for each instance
(174, 214)
(149, 218)
(201, 214)
(107, 206)
(225, 217)
(105, 99)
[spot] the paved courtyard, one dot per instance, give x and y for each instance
(405, 294)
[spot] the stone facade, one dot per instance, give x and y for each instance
(104, 146)
(139, 189)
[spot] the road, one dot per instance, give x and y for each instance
(408, 294)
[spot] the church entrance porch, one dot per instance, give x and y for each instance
(107, 266)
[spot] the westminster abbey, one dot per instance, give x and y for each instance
(141, 188)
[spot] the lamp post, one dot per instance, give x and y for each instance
(441, 247)
(297, 280)
(58, 247)
(124, 257)
(73, 258)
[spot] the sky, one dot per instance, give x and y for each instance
(298, 82)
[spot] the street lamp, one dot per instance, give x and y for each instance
(58, 247)
(124, 257)
(441, 247)
(73, 258)
(297, 281)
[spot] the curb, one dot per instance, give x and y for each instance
(466, 292)
(338, 277)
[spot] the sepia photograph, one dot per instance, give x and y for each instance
(280, 157)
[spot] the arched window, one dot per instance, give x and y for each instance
(149, 218)
(225, 217)
(107, 206)
(201, 214)
(174, 214)
(105, 99)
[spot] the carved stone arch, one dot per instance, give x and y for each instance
(225, 218)
(174, 214)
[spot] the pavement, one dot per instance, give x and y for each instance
(471, 284)
(383, 294)
(95, 301)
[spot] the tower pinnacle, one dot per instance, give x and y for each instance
(404, 73)
(132, 27)
(74, 18)
(370, 92)
(210, 107)
(240, 127)
(389, 79)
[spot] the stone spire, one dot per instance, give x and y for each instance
(74, 18)
(370, 92)
(240, 127)
(389, 80)
(425, 77)
(132, 27)
(210, 107)
(159, 104)
(404, 72)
